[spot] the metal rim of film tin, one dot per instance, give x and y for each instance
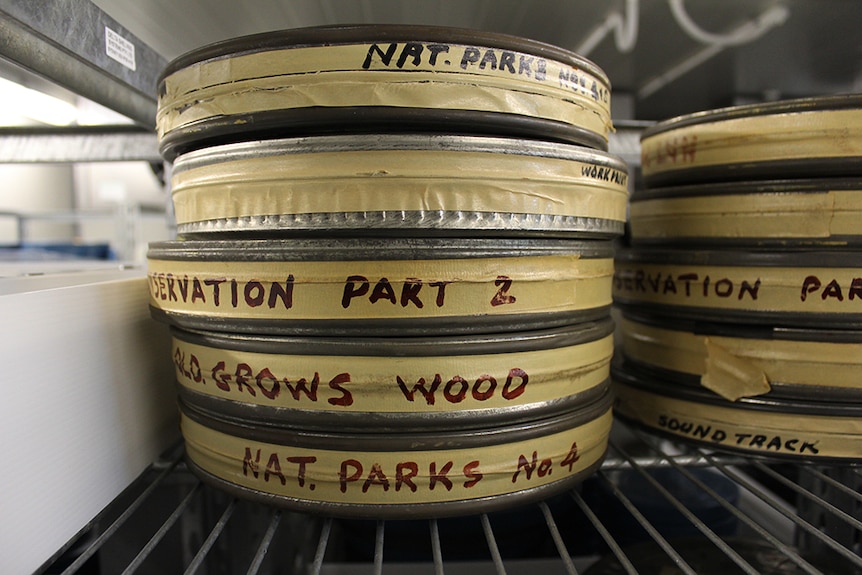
(806, 137)
(814, 288)
(400, 183)
(375, 286)
(395, 383)
(822, 212)
(762, 426)
(397, 476)
(380, 78)
(746, 361)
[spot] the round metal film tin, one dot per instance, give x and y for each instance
(395, 383)
(400, 184)
(823, 212)
(379, 78)
(397, 476)
(379, 286)
(734, 362)
(802, 138)
(789, 288)
(782, 429)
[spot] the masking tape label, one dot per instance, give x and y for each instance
(803, 135)
(811, 363)
(763, 432)
(765, 288)
(411, 74)
(666, 349)
(779, 215)
(401, 477)
(393, 384)
(379, 289)
(392, 180)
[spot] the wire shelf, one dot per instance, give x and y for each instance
(654, 507)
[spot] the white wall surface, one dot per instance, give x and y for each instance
(35, 188)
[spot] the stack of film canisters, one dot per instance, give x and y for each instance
(741, 286)
(390, 293)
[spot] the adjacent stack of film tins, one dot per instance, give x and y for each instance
(391, 293)
(742, 287)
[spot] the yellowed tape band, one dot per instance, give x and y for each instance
(763, 288)
(458, 78)
(761, 432)
(389, 180)
(379, 289)
(778, 215)
(784, 361)
(428, 384)
(396, 478)
(789, 136)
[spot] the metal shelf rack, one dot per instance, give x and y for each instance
(654, 507)
(78, 46)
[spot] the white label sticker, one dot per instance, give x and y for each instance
(119, 49)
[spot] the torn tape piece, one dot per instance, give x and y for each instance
(730, 376)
